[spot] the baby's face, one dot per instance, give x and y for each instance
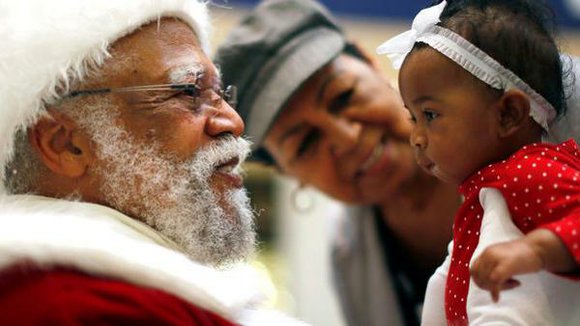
(455, 116)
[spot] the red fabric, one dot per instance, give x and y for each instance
(30, 296)
(541, 186)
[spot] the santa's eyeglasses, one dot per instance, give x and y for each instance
(228, 94)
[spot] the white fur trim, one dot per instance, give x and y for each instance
(47, 44)
(101, 241)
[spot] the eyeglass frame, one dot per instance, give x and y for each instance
(229, 93)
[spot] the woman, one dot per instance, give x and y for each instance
(320, 110)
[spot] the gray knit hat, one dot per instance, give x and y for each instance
(279, 46)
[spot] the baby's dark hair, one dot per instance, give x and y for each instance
(519, 34)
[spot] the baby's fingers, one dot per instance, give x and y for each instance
(507, 285)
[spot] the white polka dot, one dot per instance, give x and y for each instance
(527, 205)
(534, 165)
(529, 176)
(519, 166)
(550, 211)
(516, 208)
(549, 165)
(552, 198)
(544, 174)
(477, 233)
(543, 153)
(559, 175)
(555, 186)
(540, 187)
(526, 157)
(558, 149)
(538, 201)
(575, 246)
(504, 185)
(527, 190)
(513, 194)
(482, 179)
(574, 232)
(555, 158)
(558, 229)
(567, 197)
(468, 231)
(478, 216)
(539, 214)
(515, 179)
(498, 177)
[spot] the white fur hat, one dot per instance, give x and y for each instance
(45, 45)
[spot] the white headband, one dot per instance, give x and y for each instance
(465, 54)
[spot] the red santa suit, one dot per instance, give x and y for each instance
(540, 186)
(73, 263)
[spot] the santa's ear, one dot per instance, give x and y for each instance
(514, 112)
(60, 145)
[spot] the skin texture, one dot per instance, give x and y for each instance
(462, 125)
(326, 136)
(148, 56)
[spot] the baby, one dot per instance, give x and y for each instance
(482, 80)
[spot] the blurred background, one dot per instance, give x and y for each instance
(295, 241)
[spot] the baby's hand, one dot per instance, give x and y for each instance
(494, 268)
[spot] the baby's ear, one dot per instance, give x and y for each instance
(514, 112)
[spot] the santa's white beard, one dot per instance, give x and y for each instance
(176, 198)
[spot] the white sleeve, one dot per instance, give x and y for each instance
(434, 305)
(541, 299)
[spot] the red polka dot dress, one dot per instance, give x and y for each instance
(541, 186)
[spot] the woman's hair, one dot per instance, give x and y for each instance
(519, 34)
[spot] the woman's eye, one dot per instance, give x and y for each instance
(430, 115)
(307, 142)
(341, 102)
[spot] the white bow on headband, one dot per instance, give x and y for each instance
(399, 46)
(466, 55)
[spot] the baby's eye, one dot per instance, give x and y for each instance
(430, 115)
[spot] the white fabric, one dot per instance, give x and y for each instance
(398, 47)
(466, 55)
(101, 241)
(434, 304)
(541, 299)
(48, 44)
